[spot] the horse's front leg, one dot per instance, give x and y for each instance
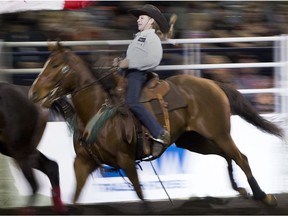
(51, 169)
(82, 168)
(127, 164)
(24, 164)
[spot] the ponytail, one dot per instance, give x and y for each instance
(170, 33)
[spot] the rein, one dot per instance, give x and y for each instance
(91, 84)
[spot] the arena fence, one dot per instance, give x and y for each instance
(191, 49)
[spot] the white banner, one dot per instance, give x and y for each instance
(11, 6)
(184, 174)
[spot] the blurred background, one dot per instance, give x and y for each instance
(110, 20)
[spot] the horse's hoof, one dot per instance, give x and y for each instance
(61, 210)
(243, 192)
(27, 211)
(270, 200)
(75, 210)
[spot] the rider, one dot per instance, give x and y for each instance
(143, 55)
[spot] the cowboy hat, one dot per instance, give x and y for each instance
(155, 13)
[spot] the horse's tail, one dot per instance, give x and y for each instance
(240, 106)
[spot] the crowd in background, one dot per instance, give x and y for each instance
(108, 20)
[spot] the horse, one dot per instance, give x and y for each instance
(202, 125)
(22, 124)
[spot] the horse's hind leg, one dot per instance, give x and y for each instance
(234, 185)
(51, 169)
(194, 142)
(229, 147)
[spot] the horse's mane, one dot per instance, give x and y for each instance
(64, 109)
(108, 77)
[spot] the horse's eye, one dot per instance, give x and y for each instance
(55, 66)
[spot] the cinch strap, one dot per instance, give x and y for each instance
(165, 112)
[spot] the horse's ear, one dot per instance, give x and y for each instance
(51, 45)
(59, 46)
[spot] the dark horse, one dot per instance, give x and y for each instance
(22, 124)
(202, 125)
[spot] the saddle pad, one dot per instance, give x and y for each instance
(174, 99)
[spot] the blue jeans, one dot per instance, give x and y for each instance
(135, 82)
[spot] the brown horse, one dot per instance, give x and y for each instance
(22, 125)
(202, 125)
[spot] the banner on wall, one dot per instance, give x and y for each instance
(12, 6)
(184, 174)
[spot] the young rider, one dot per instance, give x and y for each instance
(144, 54)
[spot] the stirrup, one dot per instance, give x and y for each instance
(158, 140)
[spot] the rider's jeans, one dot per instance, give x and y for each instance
(135, 81)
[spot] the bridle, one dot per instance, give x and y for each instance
(66, 69)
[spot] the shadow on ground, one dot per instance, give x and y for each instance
(192, 206)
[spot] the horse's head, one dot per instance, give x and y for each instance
(56, 79)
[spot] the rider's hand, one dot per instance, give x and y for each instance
(124, 63)
(116, 62)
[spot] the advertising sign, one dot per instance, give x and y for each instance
(183, 174)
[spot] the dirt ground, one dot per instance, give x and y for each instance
(192, 206)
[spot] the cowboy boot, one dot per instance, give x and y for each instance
(160, 144)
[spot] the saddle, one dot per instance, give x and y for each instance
(158, 96)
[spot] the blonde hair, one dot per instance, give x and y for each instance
(170, 33)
